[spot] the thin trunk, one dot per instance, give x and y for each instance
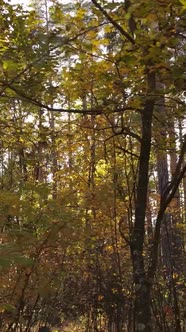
(149, 222)
(39, 166)
(53, 156)
(142, 312)
(168, 231)
(166, 199)
(181, 136)
(177, 244)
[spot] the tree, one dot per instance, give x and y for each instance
(87, 93)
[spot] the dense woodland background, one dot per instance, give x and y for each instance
(92, 165)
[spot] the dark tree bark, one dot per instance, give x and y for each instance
(143, 279)
(44, 329)
(142, 314)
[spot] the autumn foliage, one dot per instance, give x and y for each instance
(92, 166)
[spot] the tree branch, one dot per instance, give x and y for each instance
(165, 201)
(63, 41)
(176, 174)
(127, 151)
(96, 111)
(113, 22)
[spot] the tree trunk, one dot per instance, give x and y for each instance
(142, 311)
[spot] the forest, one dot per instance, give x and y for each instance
(92, 166)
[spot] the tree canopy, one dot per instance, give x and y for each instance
(92, 166)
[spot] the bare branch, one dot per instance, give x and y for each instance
(127, 151)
